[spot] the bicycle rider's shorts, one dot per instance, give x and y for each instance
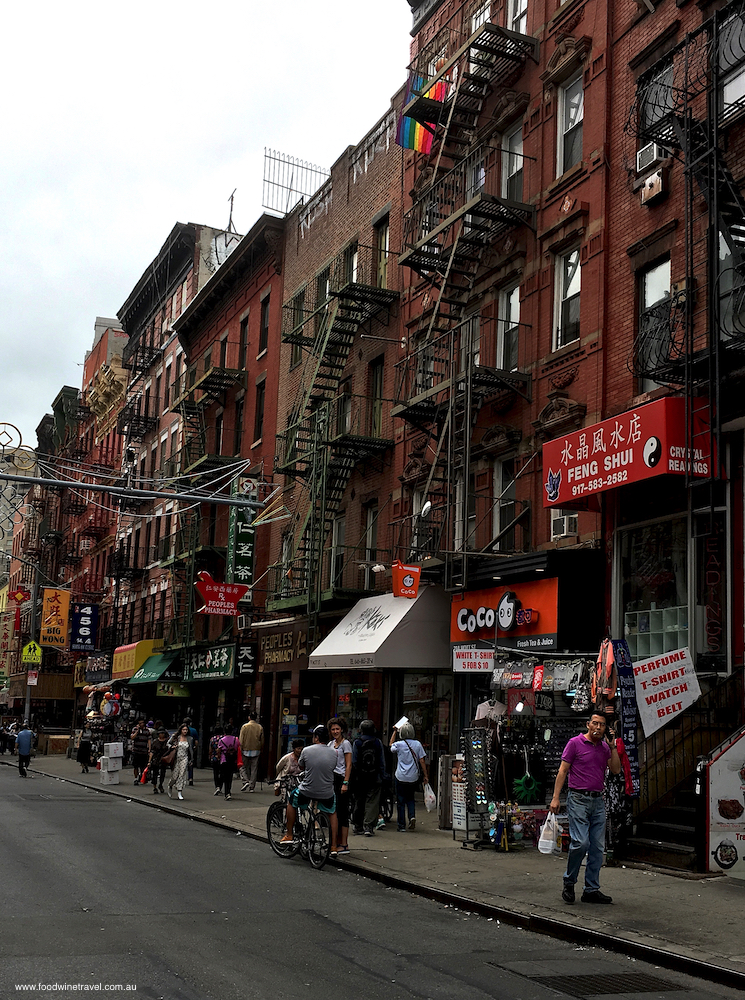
(300, 801)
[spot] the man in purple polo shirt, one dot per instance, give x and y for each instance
(585, 760)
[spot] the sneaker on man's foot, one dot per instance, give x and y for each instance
(567, 893)
(217, 791)
(368, 831)
(244, 786)
(380, 824)
(412, 823)
(596, 896)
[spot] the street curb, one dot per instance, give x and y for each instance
(537, 923)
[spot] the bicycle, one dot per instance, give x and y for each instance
(311, 837)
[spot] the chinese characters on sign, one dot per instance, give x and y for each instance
(7, 643)
(219, 598)
(55, 617)
(215, 663)
(241, 539)
(247, 660)
(636, 445)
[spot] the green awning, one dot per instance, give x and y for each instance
(154, 667)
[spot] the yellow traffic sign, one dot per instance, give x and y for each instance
(31, 653)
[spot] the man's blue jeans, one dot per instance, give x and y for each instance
(587, 833)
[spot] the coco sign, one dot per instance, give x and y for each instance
(522, 617)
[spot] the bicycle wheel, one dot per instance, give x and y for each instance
(318, 839)
(387, 804)
(275, 830)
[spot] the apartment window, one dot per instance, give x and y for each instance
(223, 363)
(219, 426)
(371, 544)
(517, 16)
(512, 165)
(259, 410)
(475, 180)
(351, 263)
(344, 409)
(167, 387)
(298, 317)
(323, 292)
(163, 452)
(571, 114)
(207, 364)
(567, 298)
(338, 534)
(656, 100)
(376, 396)
(238, 432)
(505, 492)
(465, 509)
(731, 58)
(653, 342)
(382, 246)
(264, 327)
(480, 14)
(470, 342)
(508, 329)
(158, 396)
(174, 442)
(243, 343)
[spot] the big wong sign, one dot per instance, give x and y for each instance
(521, 616)
(636, 445)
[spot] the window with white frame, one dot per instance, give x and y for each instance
(653, 341)
(512, 164)
(517, 16)
(566, 321)
(465, 513)
(731, 58)
(338, 534)
(470, 341)
(480, 14)
(505, 493)
(508, 329)
(371, 543)
(571, 114)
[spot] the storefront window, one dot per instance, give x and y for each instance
(427, 702)
(352, 705)
(654, 574)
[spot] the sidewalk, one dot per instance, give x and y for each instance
(692, 924)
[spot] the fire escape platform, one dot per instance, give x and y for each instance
(361, 300)
(491, 217)
(422, 408)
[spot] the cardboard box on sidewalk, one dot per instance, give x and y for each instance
(111, 763)
(113, 749)
(109, 777)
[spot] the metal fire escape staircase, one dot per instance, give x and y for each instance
(441, 386)
(182, 570)
(324, 440)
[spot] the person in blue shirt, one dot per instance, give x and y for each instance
(24, 742)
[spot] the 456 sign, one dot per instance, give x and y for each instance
(84, 630)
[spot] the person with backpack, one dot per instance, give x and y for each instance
(337, 731)
(368, 772)
(227, 747)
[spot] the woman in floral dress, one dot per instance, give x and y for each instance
(184, 745)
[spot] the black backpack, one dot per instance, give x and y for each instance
(368, 758)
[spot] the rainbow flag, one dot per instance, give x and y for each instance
(416, 135)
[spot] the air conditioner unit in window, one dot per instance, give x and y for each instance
(244, 622)
(564, 525)
(649, 155)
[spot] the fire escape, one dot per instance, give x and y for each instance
(329, 430)
(201, 386)
(462, 207)
(694, 338)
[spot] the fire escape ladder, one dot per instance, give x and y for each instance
(181, 632)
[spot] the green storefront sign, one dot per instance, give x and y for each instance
(215, 663)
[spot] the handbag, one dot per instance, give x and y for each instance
(416, 761)
(169, 757)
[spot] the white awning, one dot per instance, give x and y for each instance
(387, 632)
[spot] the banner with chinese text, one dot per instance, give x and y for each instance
(55, 618)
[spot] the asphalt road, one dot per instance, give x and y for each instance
(98, 891)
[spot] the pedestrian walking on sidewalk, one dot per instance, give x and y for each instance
(83, 756)
(584, 762)
(194, 747)
(24, 742)
(368, 772)
(338, 732)
(140, 749)
(228, 747)
(214, 758)
(184, 745)
(158, 747)
(252, 743)
(411, 768)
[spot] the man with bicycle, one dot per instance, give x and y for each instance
(317, 762)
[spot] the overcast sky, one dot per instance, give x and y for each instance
(118, 122)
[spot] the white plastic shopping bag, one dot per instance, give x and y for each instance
(550, 832)
(430, 801)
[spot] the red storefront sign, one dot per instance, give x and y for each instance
(522, 616)
(636, 445)
(219, 598)
(405, 579)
